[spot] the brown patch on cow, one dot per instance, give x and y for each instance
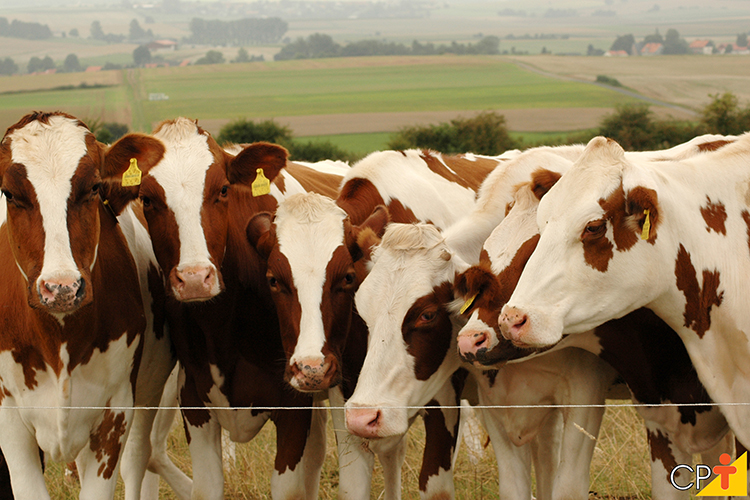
(713, 146)
(597, 249)
(458, 169)
(491, 376)
(660, 450)
(312, 180)
(439, 444)
(542, 181)
(746, 218)
(106, 441)
(242, 169)
(508, 277)
(290, 444)
(715, 215)
(699, 301)
(640, 199)
(358, 198)
(427, 330)
(159, 299)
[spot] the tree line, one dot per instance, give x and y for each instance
(319, 45)
(250, 31)
(21, 29)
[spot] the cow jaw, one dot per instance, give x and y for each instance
(52, 155)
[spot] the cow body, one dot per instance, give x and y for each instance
(314, 249)
(682, 264)
(78, 330)
(225, 332)
(640, 347)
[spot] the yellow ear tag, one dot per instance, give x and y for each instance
(132, 176)
(467, 304)
(646, 226)
(261, 185)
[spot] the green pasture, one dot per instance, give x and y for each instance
(360, 144)
(265, 90)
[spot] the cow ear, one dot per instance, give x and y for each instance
(643, 212)
(243, 167)
(363, 238)
(146, 150)
(542, 181)
(260, 233)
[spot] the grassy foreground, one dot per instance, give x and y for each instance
(620, 466)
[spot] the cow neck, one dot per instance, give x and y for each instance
(36, 337)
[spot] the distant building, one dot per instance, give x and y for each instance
(158, 45)
(616, 53)
(652, 49)
(701, 47)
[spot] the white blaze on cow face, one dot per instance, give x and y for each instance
(309, 230)
(586, 228)
(49, 154)
(410, 348)
(182, 175)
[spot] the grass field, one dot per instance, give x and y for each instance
(619, 468)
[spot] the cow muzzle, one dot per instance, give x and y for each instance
(313, 374)
(514, 325)
(62, 295)
(194, 283)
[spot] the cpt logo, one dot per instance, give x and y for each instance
(731, 480)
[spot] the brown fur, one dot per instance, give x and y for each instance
(661, 450)
(542, 181)
(715, 215)
(466, 173)
(698, 301)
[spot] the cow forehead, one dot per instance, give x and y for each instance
(49, 151)
(187, 158)
(309, 228)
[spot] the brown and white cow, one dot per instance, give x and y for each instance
(75, 330)
(197, 200)
(314, 249)
(619, 233)
(645, 352)
(408, 304)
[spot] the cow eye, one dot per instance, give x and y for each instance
(146, 201)
(8, 195)
(428, 316)
(273, 282)
(95, 189)
(594, 229)
(224, 190)
(349, 279)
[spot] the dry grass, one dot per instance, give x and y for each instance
(620, 468)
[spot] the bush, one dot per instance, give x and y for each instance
(316, 151)
(608, 80)
(486, 133)
(211, 57)
(724, 116)
(630, 126)
(246, 131)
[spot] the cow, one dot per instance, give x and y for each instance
(79, 348)
(197, 200)
(648, 355)
(314, 250)
(620, 233)
(408, 305)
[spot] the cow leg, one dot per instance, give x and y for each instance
(300, 451)
(441, 434)
(356, 460)
(574, 473)
(545, 453)
(204, 440)
(391, 452)
(664, 457)
(513, 462)
(725, 445)
(22, 456)
(136, 454)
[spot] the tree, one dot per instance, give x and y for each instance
(655, 38)
(741, 40)
(136, 32)
(109, 132)
(141, 55)
(245, 131)
(722, 116)
(37, 65)
(211, 57)
(97, 33)
(625, 42)
(242, 56)
(631, 126)
(8, 66)
(71, 64)
(673, 44)
(74, 32)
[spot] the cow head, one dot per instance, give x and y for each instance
(186, 201)
(50, 166)
(488, 286)
(311, 250)
(405, 302)
(599, 228)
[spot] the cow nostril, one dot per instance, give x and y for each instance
(81, 289)
(521, 322)
(375, 422)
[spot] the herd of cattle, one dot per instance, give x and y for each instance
(165, 268)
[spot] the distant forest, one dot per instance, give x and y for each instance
(319, 45)
(21, 29)
(250, 31)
